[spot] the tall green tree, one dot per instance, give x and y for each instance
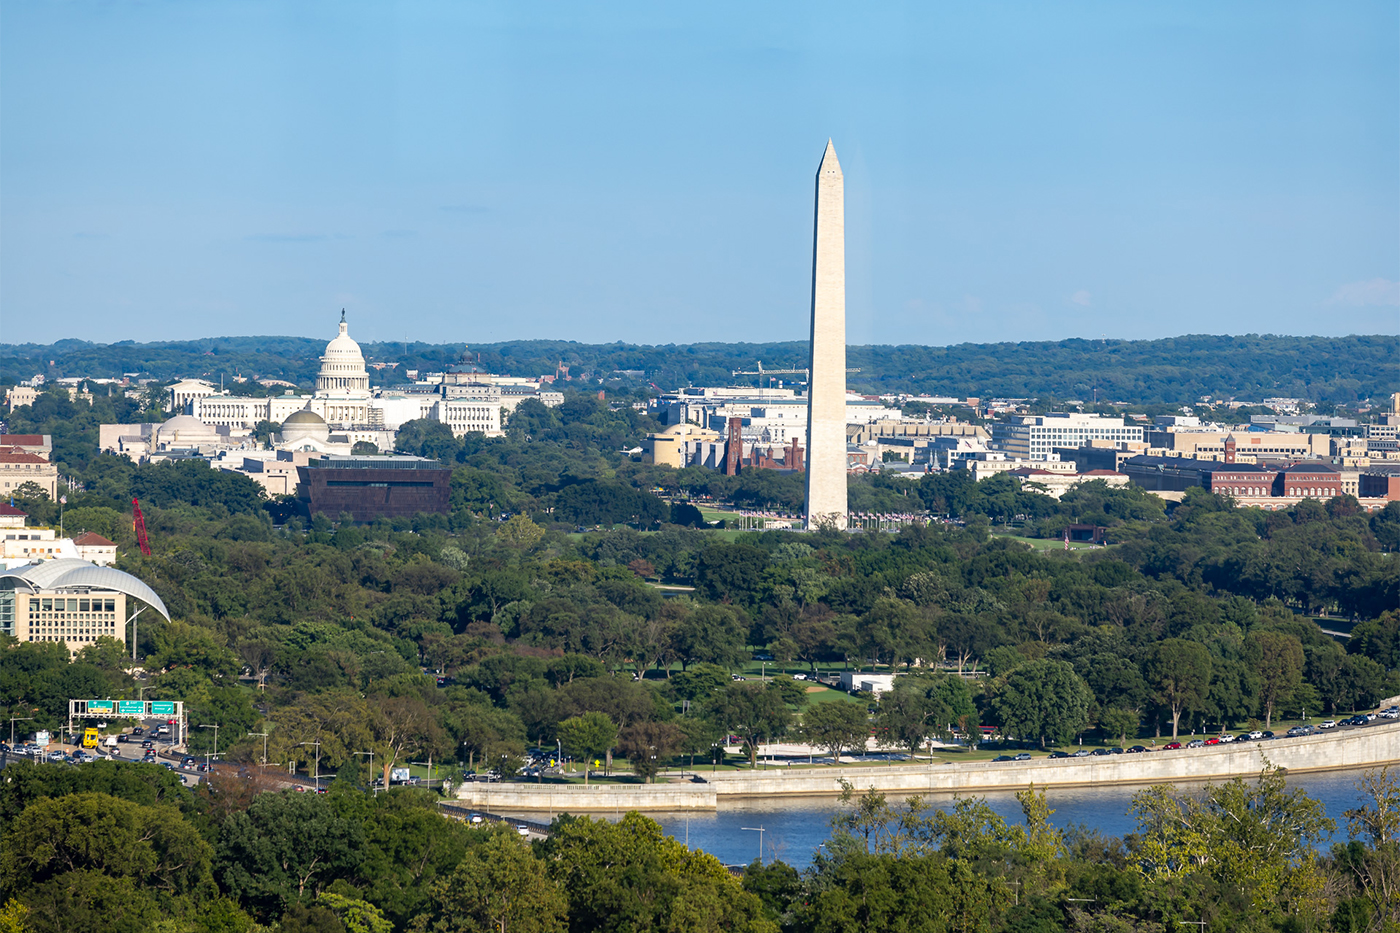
(1178, 672)
(586, 736)
(1044, 700)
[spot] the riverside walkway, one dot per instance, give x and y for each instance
(1363, 747)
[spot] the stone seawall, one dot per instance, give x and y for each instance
(1370, 746)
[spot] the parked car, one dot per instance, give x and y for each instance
(799, 676)
(1171, 746)
(1003, 758)
(1023, 756)
(1058, 755)
(1213, 740)
(1195, 743)
(1100, 752)
(1256, 734)
(697, 779)
(1327, 724)
(1081, 753)
(1226, 739)
(1137, 750)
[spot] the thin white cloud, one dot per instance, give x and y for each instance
(1081, 298)
(1372, 292)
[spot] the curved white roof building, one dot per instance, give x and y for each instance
(70, 574)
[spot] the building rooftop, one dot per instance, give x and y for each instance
(92, 539)
(15, 455)
(343, 462)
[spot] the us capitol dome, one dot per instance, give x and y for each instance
(343, 367)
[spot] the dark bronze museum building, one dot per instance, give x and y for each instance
(373, 487)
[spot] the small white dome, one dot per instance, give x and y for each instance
(304, 424)
(186, 431)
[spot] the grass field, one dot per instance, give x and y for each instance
(1048, 544)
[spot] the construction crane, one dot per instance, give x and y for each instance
(138, 524)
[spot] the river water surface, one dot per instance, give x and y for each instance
(794, 828)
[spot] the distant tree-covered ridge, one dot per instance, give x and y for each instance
(1176, 370)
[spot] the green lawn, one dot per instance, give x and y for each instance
(1047, 544)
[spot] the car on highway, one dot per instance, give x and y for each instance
(149, 758)
(1171, 746)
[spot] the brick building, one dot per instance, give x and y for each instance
(1308, 480)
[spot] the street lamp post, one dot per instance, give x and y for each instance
(264, 738)
(317, 776)
(132, 621)
(207, 767)
(15, 719)
(759, 830)
(372, 789)
(653, 763)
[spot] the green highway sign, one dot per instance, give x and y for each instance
(100, 706)
(162, 708)
(131, 707)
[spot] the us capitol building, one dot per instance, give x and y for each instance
(341, 412)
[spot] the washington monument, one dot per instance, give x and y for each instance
(826, 385)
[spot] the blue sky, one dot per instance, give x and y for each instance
(644, 172)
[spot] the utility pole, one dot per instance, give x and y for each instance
(264, 738)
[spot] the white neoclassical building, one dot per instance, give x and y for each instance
(342, 397)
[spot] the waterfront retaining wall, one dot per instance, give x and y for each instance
(1370, 746)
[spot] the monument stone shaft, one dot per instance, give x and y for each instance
(826, 385)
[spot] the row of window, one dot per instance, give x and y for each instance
(48, 604)
(1314, 491)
